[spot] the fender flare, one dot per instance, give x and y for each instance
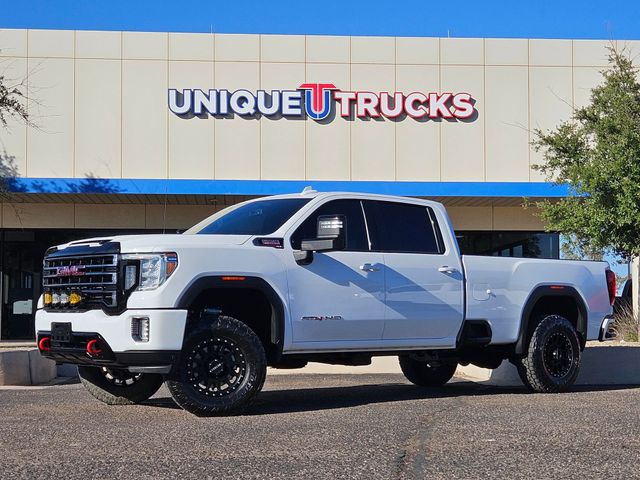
(251, 283)
(548, 291)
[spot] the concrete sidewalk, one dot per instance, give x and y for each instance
(610, 363)
(6, 345)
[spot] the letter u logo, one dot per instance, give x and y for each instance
(317, 99)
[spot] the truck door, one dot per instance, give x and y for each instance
(423, 278)
(339, 296)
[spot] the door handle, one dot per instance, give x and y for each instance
(447, 269)
(368, 267)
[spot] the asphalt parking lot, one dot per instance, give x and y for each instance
(327, 426)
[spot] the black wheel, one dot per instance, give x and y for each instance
(221, 369)
(119, 387)
(552, 362)
(427, 373)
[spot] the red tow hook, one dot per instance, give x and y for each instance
(44, 344)
(92, 348)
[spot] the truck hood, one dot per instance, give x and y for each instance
(160, 242)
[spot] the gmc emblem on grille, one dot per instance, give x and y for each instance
(70, 270)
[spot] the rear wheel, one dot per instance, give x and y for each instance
(221, 369)
(115, 386)
(552, 362)
(427, 373)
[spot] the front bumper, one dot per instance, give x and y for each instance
(75, 352)
(114, 336)
(607, 332)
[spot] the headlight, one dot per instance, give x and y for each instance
(147, 271)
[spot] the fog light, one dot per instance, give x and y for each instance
(55, 299)
(47, 298)
(140, 329)
(75, 298)
(64, 299)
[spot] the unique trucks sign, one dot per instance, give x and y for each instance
(321, 102)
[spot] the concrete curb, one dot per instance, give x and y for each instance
(602, 364)
(53, 383)
(25, 367)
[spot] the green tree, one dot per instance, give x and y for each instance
(597, 153)
(573, 248)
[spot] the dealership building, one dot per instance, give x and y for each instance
(141, 131)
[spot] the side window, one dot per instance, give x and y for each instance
(356, 230)
(400, 227)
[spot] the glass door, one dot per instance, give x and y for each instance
(21, 273)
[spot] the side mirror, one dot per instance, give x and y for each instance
(330, 235)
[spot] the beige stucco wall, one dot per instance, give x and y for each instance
(495, 218)
(154, 216)
(99, 100)
(98, 215)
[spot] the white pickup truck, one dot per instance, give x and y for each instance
(323, 277)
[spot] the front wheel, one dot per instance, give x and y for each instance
(117, 386)
(552, 362)
(221, 369)
(427, 373)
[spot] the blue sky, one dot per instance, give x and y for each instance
(457, 18)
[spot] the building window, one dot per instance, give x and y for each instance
(510, 244)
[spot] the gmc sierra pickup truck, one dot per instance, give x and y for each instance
(313, 277)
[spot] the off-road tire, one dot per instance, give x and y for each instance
(119, 387)
(427, 373)
(193, 383)
(552, 362)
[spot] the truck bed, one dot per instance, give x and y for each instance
(497, 288)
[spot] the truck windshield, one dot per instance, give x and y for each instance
(261, 217)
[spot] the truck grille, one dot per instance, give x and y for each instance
(93, 277)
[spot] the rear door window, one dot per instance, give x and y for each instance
(402, 228)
